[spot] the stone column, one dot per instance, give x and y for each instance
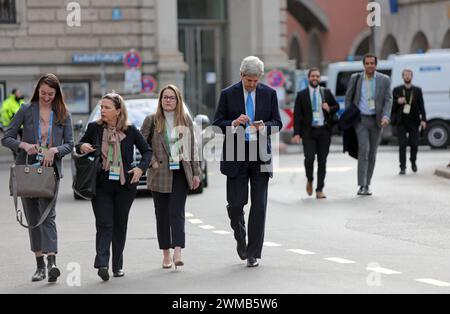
(261, 20)
(170, 64)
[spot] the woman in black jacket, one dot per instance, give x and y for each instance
(117, 184)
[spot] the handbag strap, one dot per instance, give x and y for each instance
(19, 214)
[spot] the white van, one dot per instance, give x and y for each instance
(431, 73)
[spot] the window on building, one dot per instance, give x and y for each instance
(7, 11)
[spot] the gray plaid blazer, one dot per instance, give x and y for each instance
(159, 176)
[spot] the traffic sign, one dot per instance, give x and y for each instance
(133, 59)
(149, 84)
(275, 78)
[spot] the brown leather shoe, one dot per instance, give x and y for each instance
(320, 195)
(309, 188)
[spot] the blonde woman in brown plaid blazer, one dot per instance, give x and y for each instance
(173, 170)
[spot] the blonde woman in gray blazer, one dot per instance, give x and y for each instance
(174, 170)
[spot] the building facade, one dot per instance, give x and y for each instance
(196, 44)
(415, 27)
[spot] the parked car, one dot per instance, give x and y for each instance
(138, 110)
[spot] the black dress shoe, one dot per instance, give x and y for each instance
(414, 167)
(241, 249)
(119, 273)
(367, 191)
(53, 271)
(402, 172)
(39, 275)
(252, 262)
(103, 273)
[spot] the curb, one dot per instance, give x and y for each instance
(443, 172)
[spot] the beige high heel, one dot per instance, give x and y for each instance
(178, 263)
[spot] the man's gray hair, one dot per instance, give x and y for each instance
(252, 66)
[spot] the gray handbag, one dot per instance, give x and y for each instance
(33, 182)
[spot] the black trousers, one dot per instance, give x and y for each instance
(408, 133)
(111, 208)
(317, 143)
(237, 197)
(170, 213)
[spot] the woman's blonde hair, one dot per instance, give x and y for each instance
(181, 118)
(119, 103)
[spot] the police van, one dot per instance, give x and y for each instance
(431, 73)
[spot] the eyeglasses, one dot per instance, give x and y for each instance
(171, 98)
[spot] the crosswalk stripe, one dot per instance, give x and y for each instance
(434, 282)
(301, 252)
(339, 260)
(384, 271)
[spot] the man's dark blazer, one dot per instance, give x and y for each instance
(94, 135)
(232, 105)
(303, 113)
(417, 113)
(347, 123)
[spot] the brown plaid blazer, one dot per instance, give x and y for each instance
(159, 176)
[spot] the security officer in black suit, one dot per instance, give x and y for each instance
(314, 112)
(408, 114)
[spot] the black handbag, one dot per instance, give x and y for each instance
(87, 167)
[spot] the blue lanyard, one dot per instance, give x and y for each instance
(49, 131)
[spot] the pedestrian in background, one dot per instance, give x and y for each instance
(174, 170)
(314, 109)
(408, 114)
(118, 180)
(47, 138)
(371, 93)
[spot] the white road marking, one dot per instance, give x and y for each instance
(208, 227)
(339, 260)
(384, 271)
(195, 221)
(434, 282)
(221, 232)
(301, 252)
(271, 244)
(302, 170)
(189, 215)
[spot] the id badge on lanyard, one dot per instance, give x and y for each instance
(42, 150)
(316, 117)
(114, 170)
(174, 162)
(407, 107)
(371, 93)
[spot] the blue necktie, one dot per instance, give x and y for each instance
(315, 105)
(250, 113)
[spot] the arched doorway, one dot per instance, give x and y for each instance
(446, 43)
(295, 52)
(420, 43)
(315, 51)
(389, 47)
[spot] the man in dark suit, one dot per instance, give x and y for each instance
(248, 114)
(408, 113)
(314, 109)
